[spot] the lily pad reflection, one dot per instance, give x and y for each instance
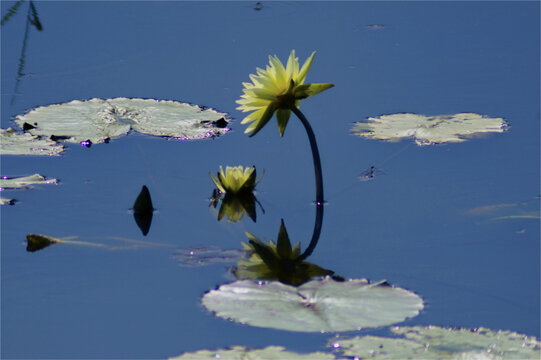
(316, 306)
(434, 342)
(98, 120)
(428, 130)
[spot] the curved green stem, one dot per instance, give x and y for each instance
(315, 155)
(319, 185)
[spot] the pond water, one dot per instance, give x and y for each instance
(444, 221)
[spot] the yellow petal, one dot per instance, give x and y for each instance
(305, 68)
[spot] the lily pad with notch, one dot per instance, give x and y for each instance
(323, 305)
(99, 120)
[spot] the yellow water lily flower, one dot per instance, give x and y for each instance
(277, 89)
(235, 179)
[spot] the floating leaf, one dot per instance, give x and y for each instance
(13, 143)
(316, 306)
(242, 353)
(428, 130)
(24, 182)
(98, 120)
(434, 342)
(37, 242)
(4, 201)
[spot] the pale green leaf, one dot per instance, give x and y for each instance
(316, 306)
(428, 130)
(24, 182)
(98, 120)
(243, 353)
(434, 342)
(13, 143)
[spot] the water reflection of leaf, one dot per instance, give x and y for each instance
(434, 342)
(243, 353)
(428, 130)
(316, 306)
(276, 261)
(99, 120)
(13, 143)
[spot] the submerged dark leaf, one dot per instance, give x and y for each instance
(143, 210)
(143, 203)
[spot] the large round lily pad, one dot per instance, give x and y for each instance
(428, 130)
(98, 120)
(316, 306)
(434, 342)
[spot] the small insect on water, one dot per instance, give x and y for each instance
(370, 173)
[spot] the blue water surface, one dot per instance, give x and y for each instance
(413, 224)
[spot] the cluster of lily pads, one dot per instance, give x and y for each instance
(276, 287)
(45, 129)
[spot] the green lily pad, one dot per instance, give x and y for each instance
(98, 120)
(242, 353)
(316, 306)
(13, 143)
(24, 182)
(428, 130)
(434, 342)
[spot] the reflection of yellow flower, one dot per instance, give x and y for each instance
(235, 179)
(277, 261)
(276, 89)
(235, 206)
